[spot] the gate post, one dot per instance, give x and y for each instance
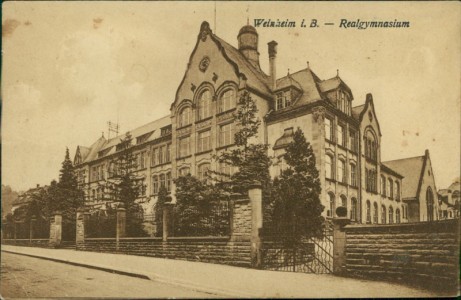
(56, 230)
(166, 220)
(121, 225)
(339, 244)
(255, 195)
(81, 222)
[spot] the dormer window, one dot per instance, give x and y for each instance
(283, 99)
(343, 102)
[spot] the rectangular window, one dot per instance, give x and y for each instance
(143, 155)
(226, 134)
(161, 154)
(353, 175)
(184, 146)
(168, 181)
(204, 141)
(162, 180)
(168, 153)
(287, 95)
(328, 129)
(341, 171)
(154, 159)
(154, 184)
(341, 131)
(279, 101)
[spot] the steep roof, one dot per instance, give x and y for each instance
(411, 169)
(333, 83)
(287, 81)
(357, 110)
(150, 130)
(84, 151)
(255, 76)
(285, 139)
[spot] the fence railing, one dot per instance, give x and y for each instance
(101, 225)
(214, 220)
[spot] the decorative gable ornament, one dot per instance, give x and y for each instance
(204, 63)
(204, 31)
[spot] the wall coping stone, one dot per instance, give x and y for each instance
(199, 238)
(419, 225)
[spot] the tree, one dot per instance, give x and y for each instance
(124, 186)
(249, 158)
(194, 206)
(68, 196)
(297, 207)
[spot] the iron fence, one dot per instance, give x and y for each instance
(212, 220)
(101, 224)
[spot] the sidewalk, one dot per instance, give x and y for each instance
(226, 280)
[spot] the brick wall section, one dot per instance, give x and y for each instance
(41, 243)
(425, 253)
(213, 250)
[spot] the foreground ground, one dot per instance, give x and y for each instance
(210, 279)
(27, 277)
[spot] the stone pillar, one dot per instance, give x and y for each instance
(167, 209)
(120, 231)
(255, 195)
(15, 230)
(81, 222)
(339, 244)
(56, 230)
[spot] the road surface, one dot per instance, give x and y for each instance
(26, 277)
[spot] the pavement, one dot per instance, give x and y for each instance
(226, 280)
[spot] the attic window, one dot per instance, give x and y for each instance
(165, 130)
(283, 100)
(141, 139)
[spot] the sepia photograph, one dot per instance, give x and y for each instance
(230, 149)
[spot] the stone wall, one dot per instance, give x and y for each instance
(425, 253)
(42, 243)
(207, 249)
(235, 249)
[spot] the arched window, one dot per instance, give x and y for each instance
(391, 215)
(397, 190)
(329, 167)
(371, 145)
(204, 105)
(397, 216)
(383, 214)
(383, 185)
(155, 186)
(391, 188)
(375, 213)
(368, 210)
(344, 201)
(203, 171)
(227, 100)
(341, 171)
(184, 117)
(331, 202)
(430, 204)
(354, 209)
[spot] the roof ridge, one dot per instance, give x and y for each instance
(407, 158)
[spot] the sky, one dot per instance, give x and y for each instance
(70, 67)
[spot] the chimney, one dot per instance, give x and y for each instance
(272, 47)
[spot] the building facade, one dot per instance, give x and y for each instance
(346, 139)
(449, 201)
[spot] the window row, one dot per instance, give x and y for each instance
(226, 134)
(340, 173)
(387, 215)
(162, 180)
(203, 169)
(226, 101)
(388, 189)
(161, 155)
(339, 132)
(352, 212)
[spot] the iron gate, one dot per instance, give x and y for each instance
(314, 255)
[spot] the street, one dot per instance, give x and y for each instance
(26, 277)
